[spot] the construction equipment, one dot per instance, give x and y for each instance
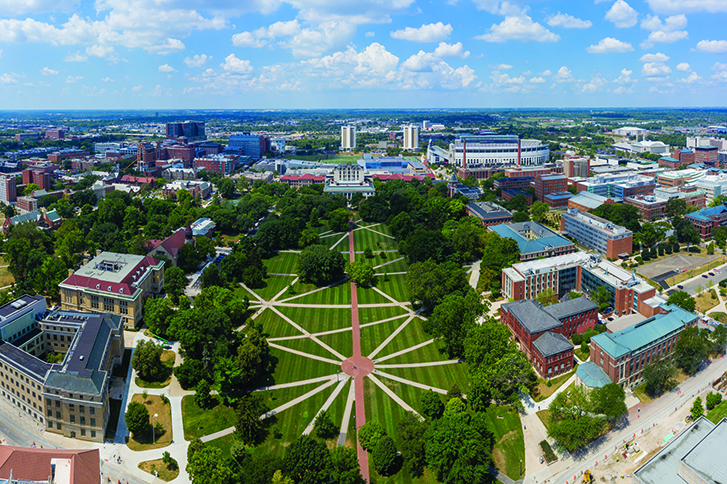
(689, 419)
(588, 478)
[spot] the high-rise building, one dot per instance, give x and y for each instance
(576, 166)
(247, 144)
(348, 138)
(54, 133)
(411, 137)
(8, 192)
(192, 130)
(596, 233)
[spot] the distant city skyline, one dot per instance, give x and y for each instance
(297, 54)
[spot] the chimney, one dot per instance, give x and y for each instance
(98, 252)
(464, 154)
(70, 272)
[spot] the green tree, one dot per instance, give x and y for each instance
(202, 396)
(248, 426)
(361, 273)
(719, 234)
(713, 399)
(370, 433)
(429, 282)
(147, 360)
(307, 461)
(683, 300)
(175, 282)
(697, 409)
(344, 466)
(324, 426)
(676, 208)
(206, 464)
(538, 210)
(431, 405)
(452, 320)
(211, 277)
(338, 220)
(320, 266)
(158, 313)
(136, 418)
(718, 337)
(384, 456)
(691, 350)
(609, 400)
(573, 420)
(602, 297)
(30, 188)
(547, 297)
(410, 434)
(368, 253)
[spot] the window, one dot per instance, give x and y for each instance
(94, 302)
(58, 414)
(73, 419)
(83, 420)
(50, 424)
(93, 434)
(71, 407)
(92, 410)
(81, 409)
(93, 422)
(58, 425)
(58, 403)
(50, 412)
(83, 432)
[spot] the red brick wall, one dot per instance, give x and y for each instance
(620, 246)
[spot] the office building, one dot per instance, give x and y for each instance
(511, 193)
(680, 177)
(23, 137)
(482, 155)
(624, 354)
(542, 332)
(508, 183)
(114, 283)
(54, 133)
(713, 185)
(704, 220)
(685, 156)
(247, 144)
(597, 233)
(547, 184)
(489, 213)
(8, 190)
(33, 465)
(302, 180)
(349, 178)
(576, 166)
(189, 130)
(69, 398)
(411, 137)
(526, 280)
(27, 204)
(196, 188)
(652, 207)
(186, 153)
(348, 138)
(223, 164)
(534, 240)
(587, 201)
(706, 155)
(618, 186)
(694, 456)
(557, 199)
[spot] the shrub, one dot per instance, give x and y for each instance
(577, 339)
(370, 433)
(713, 399)
(202, 396)
(382, 254)
(585, 348)
(547, 451)
(368, 253)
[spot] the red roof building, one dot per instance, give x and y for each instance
(169, 247)
(33, 464)
(138, 180)
(302, 180)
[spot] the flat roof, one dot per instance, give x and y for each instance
(542, 265)
(530, 236)
(706, 459)
(588, 199)
(487, 210)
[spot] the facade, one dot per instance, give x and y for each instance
(27, 204)
(349, 178)
(576, 166)
(191, 130)
(70, 398)
(186, 153)
(652, 147)
(618, 187)
(348, 138)
(706, 219)
(223, 164)
(679, 178)
(597, 233)
(489, 213)
(652, 207)
(669, 162)
(47, 220)
(705, 154)
(411, 137)
(534, 240)
(547, 184)
(509, 194)
(713, 185)
(54, 133)
(624, 354)
(180, 174)
(479, 154)
(8, 189)
(40, 178)
(202, 189)
(114, 283)
(508, 183)
(168, 249)
(587, 201)
(251, 145)
(531, 171)
(302, 180)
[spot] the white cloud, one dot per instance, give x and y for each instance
(370, 34)
(1, 53)
(264, 35)
(234, 65)
(426, 33)
(568, 21)
(502, 67)
(77, 57)
(546, 72)
(46, 71)
(498, 7)
(712, 46)
(11, 78)
(653, 69)
(625, 77)
(660, 37)
(537, 80)
(520, 28)
(103, 51)
(564, 75)
(622, 15)
(137, 88)
(303, 42)
(720, 69)
(72, 79)
(658, 57)
(683, 67)
(166, 68)
(445, 50)
(610, 45)
(653, 23)
(693, 77)
(595, 84)
(197, 60)
(686, 6)
(108, 79)
(169, 46)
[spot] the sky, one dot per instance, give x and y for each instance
(284, 54)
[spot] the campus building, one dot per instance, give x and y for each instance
(32, 465)
(349, 178)
(302, 180)
(542, 332)
(653, 207)
(514, 182)
(707, 219)
(189, 130)
(534, 240)
(597, 233)
(587, 201)
(251, 145)
(526, 280)
(348, 138)
(113, 283)
(411, 138)
(547, 184)
(713, 185)
(71, 397)
(618, 186)
(478, 154)
(168, 249)
(8, 189)
(42, 218)
(576, 166)
(489, 213)
(679, 178)
(558, 199)
(624, 354)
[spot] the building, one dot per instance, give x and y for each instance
(597, 233)
(705, 154)
(348, 138)
(28, 465)
(54, 133)
(619, 186)
(482, 155)
(557, 199)
(437, 154)
(23, 137)
(411, 137)
(70, 398)
(189, 130)
(547, 184)
(277, 145)
(518, 182)
(186, 153)
(694, 456)
(713, 185)
(561, 274)
(458, 189)
(223, 164)
(669, 162)
(204, 227)
(624, 354)
(542, 332)
(114, 283)
(679, 178)
(46, 220)
(27, 204)
(67, 153)
(349, 178)
(685, 157)
(302, 180)
(200, 189)
(576, 166)
(534, 240)
(40, 178)
(180, 174)
(509, 194)
(8, 189)
(247, 144)
(530, 171)
(168, 249)
(489, 213)
(652, 207)
(705, 220)
(630, 131)
(589, 376)
(587, 201)
(638, 147)
(139, 180)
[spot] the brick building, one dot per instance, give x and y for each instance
(706, 155)
(302, 180)
(40, 178)
(186, 153)
(27, 204)
(618, 186)
(511, 193)
(670, 162)
(707, 219)
(547, 184)
(62, 154)
(586, 201)
(54, 133)
(576, 166)
(489, 213)
(652, 207)
(685, 157)
(515, 182)
(217, 163)
(624, 354)
(597, 233)
(558, 199)
(534, 240)
(8, 189)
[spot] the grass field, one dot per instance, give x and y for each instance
(156, 440)
(317, 320)
(367, 295)
(274, 326)
(291, 368)
(6, 278)
(718, 413)
(509, 449)
(307, 345)
(282, 263)
(705, 301)
(332, 240)
(394, 287)
(440, 376)
(370, 239)
(543, 391)
(338, 294)
(373, 336)
(166, 376)
(164, 472)
(273, 285)
(199, 422)
(393, 264)
(372, 315)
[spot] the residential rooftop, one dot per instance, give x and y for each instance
(531, 236)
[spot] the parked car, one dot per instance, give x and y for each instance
(705, 276)
(679, 286)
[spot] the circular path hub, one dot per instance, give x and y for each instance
(357, 366)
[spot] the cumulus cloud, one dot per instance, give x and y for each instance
(568, 21)
(536, 80)
(622, 15)
(73, 79)
(169, 46)
(197, 60)
(302, 41)
(564, 75)
(653, 23)
(658, 57)
(108, 79)
(595, 84)
(445, 50)
(720, 69)
(46, 71)
(166, 68)
(609, 45)
(264, 35)
(655, 69)
(691, 78)
(233, 65)
(77, 57)
(425, 33)
(502, 67)
(137, 88)
(370, 34)
(660, 37)
(625, 77)
(520, 28)
(683, 67)
(687, 6)
(11, 78)
(712, 46)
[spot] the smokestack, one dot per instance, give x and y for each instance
(464, 154)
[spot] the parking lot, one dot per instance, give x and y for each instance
(676, 263)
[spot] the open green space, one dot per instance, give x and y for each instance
(282, 263)
(368, 295)
(223, 443)
(582, 355)
(307, 345)
(719, 316)
(439, 376)
(371, 315)
(242, 293)
(165, 378)
(640, 391)
(273, 285)
(199, 422)
(412, 335)
(394, 287)
(290, 368)
(509, 450)
(274, 326)
(718, 413)
(338, 294)
(706, 301)
(153, 439)
(373, 239)
(317, 320)
(546, 388)
(394, 264)
(331, 240)
(164, 472)
(341, 342)
(373, 336)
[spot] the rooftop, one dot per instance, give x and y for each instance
(597, 222)
(588, 199)
(592, 375)
(550, 343)
(531, 236)
(35, 465)
(616, 276)
(707, 213)
(570, 307)
(112, 272)
(531, 315)
(551, 263)
(558, 196)
(487, 210)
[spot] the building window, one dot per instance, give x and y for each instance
(83, 432)
(83, 420)
(108, 304)
(50, 424)
(94, 302)
(58, 414)
(81, 409)
(93, 422)
(92, 410)
(93, 434)
(73, 419)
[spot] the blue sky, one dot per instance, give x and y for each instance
(257, 54)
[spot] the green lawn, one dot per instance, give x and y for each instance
(509, 450)
(394, 287)
(331, 240)
(410, 336)
(317, 320)
(393, 265)
(341, 342)
(199, 422)
(290, 368)
(371, 315)
(373, 336)
(440, 376)
(369, 239)
(165, 378)
(282, 263)
(223, 443)
(367, 295)
(274, 326)
(543, 390)
(309, 346)
(338, 294)
(718, 413)
(242, 293)
(273, 285)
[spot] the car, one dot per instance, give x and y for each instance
(679, 286)
(167, 347)
(712, 274)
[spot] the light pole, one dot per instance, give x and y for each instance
(521, 467)
(153, 430)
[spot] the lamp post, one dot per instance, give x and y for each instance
(521, 467)
(153, 430)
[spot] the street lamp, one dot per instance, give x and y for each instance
(153, 430)
(521, 467)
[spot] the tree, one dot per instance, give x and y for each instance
(719, 234)
(697, 409)
(147, 360)
(683, 300)
(547, 297)
(324, 426)
(248, 426)
(713, 399)
(157, 315)
(573, 420)
(453, 318)
(410, 432)
(344, 466)
(307, 461)
(361, 273)
(384, 456)
(374, 209)
(370, 433)
(202, 396)
(206, 464)
(338, 220)
(189, 372)
(602, 297)
(676, 208)
(609, 400)
(368, 253)
(430, 282)
(30, 188)
(691, 350)
(718, 337)
(431, 405)
(136, 418)
(518, 217)
(645, 254)
(320, 266)
(175, 282)
(211, 277)
(538, 211)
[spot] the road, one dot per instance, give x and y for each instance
(691, 286)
